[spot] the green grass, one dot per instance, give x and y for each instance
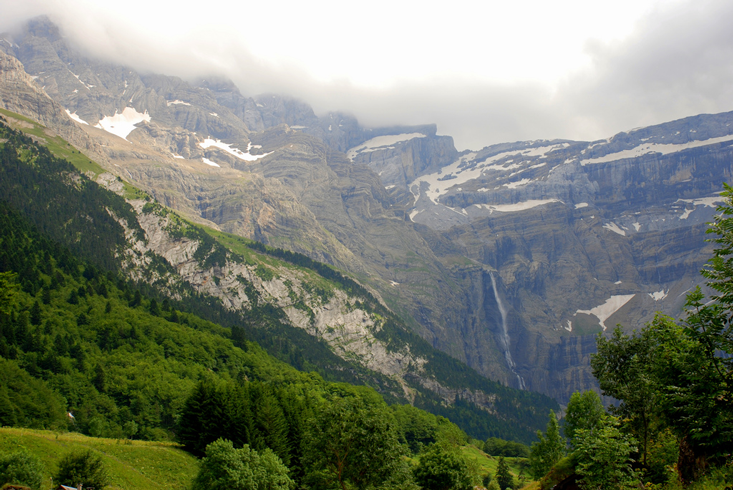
(487, 464)
(131, 465)
(56, 145)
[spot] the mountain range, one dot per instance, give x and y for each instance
(510, 259)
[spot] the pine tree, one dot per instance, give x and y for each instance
(503, 477)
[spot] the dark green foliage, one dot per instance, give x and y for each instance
(241, 469)
(509, 449)
(417, 427)
(21, 468)
(28, 402)
(353, 443)
(442, 469)
(82, 467)
(603, 457)
(503, 477)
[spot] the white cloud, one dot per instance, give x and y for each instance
(484, 72)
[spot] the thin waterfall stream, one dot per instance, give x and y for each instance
(505, 333)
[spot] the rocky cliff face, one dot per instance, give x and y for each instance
(510, 258)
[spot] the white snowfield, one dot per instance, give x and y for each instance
(519, 183)
(519, 206)
(646, 148)
(247, 157)
(209, 162)
(122, 124)
(581, 205)
(380, 142)
(659, 295)
(606, 310)
(175, 102)
(76, 118)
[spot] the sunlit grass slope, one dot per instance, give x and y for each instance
(138, 465)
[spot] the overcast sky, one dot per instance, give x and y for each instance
(484, 72)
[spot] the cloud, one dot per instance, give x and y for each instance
(675, 61)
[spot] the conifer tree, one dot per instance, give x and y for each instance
(503, 478)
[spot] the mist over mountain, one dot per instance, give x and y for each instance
(671, 63)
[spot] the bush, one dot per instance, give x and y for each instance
(241, 469)
(441, 469)
(21, 468)
(83, 467)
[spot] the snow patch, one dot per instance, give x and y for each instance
(209, 162)
(76, 118)
(647, 148)
(520, 206)
(175, 102)
(178, 156)
(614, 228)
(581, 205)
(569, 328)
(637, 226)
(704, 201)
(213, 114)
(123, 124)
(659, 295)
(606, 310)
(519, 183)
(247, 157)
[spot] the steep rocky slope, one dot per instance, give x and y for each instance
(510, 258)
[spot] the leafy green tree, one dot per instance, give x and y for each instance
(441, 468)
(241, 469)
(624, 367)
(21, 468)
(548, 450)
(503, 478)
(82, 467)
(585, 411)
(353, 444)
(603, 456)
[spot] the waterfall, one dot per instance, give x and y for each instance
(505, 333)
